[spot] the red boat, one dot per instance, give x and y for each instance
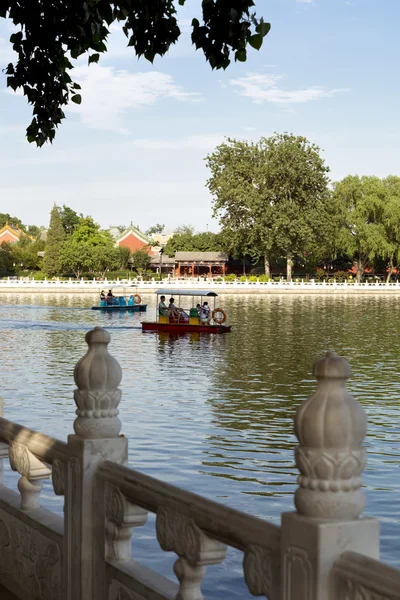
(199, 318)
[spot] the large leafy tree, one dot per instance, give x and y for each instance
(87, 248)
(76, 256)
(6, 257)
(140, 259)
(188, 241)
(391, 222)
(363, 236)
(54, 242)
(25, 252)
(50, 34)
(70, 219)
(271, 196)
(237, 184)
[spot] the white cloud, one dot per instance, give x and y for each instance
(304, 1)
(264, 88)
(107, 94)
(7, 53)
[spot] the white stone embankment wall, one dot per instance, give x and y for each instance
(271, 288)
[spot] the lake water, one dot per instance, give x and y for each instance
(215, 414)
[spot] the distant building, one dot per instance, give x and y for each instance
(115, 231)
(200, 263)
(134, 239)
(192, 264)
(11, 234)
(161, 238)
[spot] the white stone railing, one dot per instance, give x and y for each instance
(322, 551)
(357, 577)
(196, 529)
(193, 283)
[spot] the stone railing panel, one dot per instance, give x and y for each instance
(198, 531)
(31, 546)
(121, 517)
(357, 577)
(32, 472)
(180, 534)
(130, 581)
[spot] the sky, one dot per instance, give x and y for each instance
(134, 150)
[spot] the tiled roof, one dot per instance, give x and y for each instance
(201, 256)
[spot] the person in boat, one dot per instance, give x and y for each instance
(110, 294)
(183, 316)
(110, 297)
(162, 308)
(102, 295)
(205, 313)
(172, 310)
(198, 307)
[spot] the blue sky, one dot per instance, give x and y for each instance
(134, 150)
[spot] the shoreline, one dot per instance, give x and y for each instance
(256, 290)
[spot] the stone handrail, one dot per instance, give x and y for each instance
(190, 282)
(356, 576)
(230, 526)
(44, 447)
(195, 528)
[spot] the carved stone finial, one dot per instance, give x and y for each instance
(97, 376)
(330, 426)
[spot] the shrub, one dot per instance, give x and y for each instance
(231, 277)
(263, 278)
(243, 278)
(341, 275)
(320, 274)
(253, 278)
(38, 275)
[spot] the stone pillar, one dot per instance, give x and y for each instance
(97, 376)
(330, 427)
(193, 270)
(210, 271)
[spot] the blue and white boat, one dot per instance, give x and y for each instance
(131, 303)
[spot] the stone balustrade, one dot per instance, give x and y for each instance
(324, 550)
(237, 286)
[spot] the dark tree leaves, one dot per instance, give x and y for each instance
(50, 33)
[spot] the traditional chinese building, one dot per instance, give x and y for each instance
(200, 263)
(134, 239)
(11, 234)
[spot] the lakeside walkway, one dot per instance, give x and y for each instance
(222, 287)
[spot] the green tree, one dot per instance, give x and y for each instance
(187, 241)
(6, 258)
(140, 259)
(76, 256)
(237, 185)
(105, 257)
(43, 66)
(123, 255)
(270, 197)
(13, 221)
(363, 236)
(70, 219)
(88, 230)
(157, 228)
(54, 242)
(391, 222)
(25, 252)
